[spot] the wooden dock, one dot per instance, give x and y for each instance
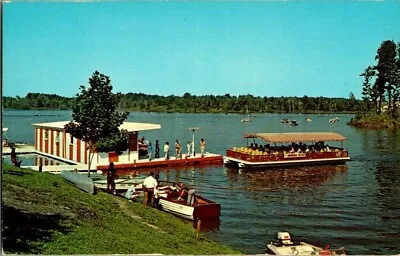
(208, 158)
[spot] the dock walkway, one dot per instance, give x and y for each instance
(185, 160)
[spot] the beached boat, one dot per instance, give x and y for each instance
(292, 150)
(285, 246)
(120, 184)
(81, 181)
(201, 209)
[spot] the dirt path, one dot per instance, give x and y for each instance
(123, 206)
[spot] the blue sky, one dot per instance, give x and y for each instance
(263, 48)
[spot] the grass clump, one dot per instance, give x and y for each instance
(43, 214)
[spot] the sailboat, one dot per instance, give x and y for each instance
(248, 118)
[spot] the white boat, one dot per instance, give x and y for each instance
(285, 246)
(201, 209)
(248, 118)
(120, 184)
(81, 181)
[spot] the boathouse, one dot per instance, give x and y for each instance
(51, 139)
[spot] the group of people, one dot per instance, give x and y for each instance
(178, 149)
(292, 148)
(151, 187)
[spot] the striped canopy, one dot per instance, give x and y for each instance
(297, 137)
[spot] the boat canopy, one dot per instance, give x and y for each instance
(129, 126)
(297, 137)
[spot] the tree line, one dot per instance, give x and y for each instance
(189, 103)
(382, 80)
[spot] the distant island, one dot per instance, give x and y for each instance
(198, 104)
(381, 90)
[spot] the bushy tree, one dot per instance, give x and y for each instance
(96, 117)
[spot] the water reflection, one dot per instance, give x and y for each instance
(207, 224)
(274, 180)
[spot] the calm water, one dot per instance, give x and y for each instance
(356, 206)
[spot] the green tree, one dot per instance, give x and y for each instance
(386, 57)
(96, 118)
(370, 94)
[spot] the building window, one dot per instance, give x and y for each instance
(58, 137)
(72, 139)
(46, 135)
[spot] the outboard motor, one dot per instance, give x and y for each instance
(284, 238)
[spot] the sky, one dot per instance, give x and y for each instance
(262, 48)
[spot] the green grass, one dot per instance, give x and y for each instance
(42, 214)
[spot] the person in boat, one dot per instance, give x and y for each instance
(157, 154)
(149, 185)
(150, 151)
(186, 191)
(202, 147)
(166, 150)
(110, 179)
(177, 149)
(131, 193)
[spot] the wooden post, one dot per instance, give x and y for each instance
(198, 229)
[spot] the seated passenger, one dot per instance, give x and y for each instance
(131, 193)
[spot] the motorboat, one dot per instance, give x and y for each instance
(285, 246)
(201, 208)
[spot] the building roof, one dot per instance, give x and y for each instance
(129, 126)
(297, 137)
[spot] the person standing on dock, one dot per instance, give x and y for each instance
(166, 150)
(149, 185)
(110, 179)
(157, 155)
(188, 148)
(150, 151)
(177, 149)
(202, 146)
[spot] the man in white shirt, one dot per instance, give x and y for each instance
(149, 185)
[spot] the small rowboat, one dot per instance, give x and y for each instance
(201, 209)
(80, 181)
(285, 246)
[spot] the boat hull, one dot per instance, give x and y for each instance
(120, 184)
(208, 210)
(80, 181)
(230, 161)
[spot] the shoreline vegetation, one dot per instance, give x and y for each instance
(383, 121)
(43, 214)
(198, 104)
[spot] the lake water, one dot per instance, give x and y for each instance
(356, 206)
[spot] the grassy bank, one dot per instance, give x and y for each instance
(382, 121)
(42, 214)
